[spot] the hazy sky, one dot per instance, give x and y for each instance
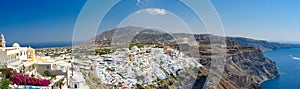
(54, 20)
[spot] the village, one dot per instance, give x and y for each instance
(142, 66)
(59, 68)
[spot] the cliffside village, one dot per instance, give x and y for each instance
(123, 68)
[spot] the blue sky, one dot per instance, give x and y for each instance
(275, 20)
(54, 20)
(38, 20)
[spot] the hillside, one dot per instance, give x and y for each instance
(247, 42)
(135, 35)
(261, 44)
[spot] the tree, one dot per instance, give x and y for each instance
(32, 75)
(6, 72)
(4, 84)
(47, 73)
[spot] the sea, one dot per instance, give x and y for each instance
(288, 63)
(44, 44)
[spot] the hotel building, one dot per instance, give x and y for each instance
(13, 57)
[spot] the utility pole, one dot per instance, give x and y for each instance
(72, 68)
(24, 75)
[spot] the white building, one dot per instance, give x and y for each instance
(135, 49)
(12, 57)
(78, 81)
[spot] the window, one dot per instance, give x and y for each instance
(75, 86)
(48, 67)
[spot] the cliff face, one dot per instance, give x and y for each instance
(247, 67)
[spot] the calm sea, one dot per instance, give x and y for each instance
(44, 45)
(288, 66)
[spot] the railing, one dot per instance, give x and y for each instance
(12, 61)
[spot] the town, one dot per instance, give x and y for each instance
(61, 68)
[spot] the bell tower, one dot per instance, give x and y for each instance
(2, 41)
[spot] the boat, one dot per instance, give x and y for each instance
(293, 57)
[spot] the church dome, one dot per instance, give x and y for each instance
(2, 37)
(16, 45)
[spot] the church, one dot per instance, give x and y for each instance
(15, 56)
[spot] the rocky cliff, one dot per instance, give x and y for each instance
(247, 67)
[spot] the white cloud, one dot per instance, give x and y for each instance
(138, 2)
(154, 11)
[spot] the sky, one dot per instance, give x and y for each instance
(54, 20)
(274, 20)
(38, 20)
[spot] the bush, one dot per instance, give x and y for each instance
(103, 51)
(19, 79)
(6, 72)
(32, 75)
(4, 83)
(47, 73)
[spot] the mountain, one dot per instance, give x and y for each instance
(261, 44)
(247, 42)
(246, 66)
(135, 35)
(130, 34)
